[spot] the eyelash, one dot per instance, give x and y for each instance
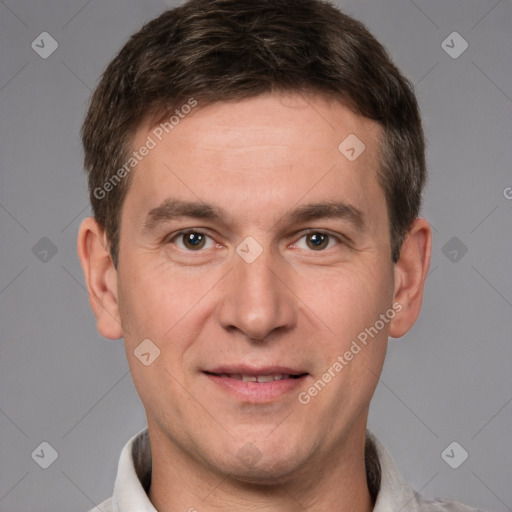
(338, 238)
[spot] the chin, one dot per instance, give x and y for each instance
(265, 474)
(269, 466)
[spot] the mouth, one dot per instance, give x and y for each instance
(256, 385)
(261, 378)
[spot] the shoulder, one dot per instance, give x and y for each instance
(105, 506)
(393, 492)
(442, 505)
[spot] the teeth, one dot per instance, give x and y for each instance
(265, 378)
(257, 378)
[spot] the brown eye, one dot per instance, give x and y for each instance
(317, 241)
(193, 240)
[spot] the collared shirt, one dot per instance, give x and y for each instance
(392, 494)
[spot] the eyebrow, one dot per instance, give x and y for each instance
(171, 209)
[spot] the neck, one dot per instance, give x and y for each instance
(334, 482)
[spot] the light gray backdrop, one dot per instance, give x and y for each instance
(449, 380)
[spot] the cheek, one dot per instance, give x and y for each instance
(352, 303)
(348, 301)
(154, 299)
(170, 309)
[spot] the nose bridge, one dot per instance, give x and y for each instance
(255, 301)
(258, 278)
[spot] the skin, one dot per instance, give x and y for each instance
(295, 305)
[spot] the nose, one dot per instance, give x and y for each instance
(257, 300)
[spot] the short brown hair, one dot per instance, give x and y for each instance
(225, 50)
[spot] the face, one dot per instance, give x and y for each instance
(256, 256)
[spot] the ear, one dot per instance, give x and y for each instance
(100, 277)
(410, 274)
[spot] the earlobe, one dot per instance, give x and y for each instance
(100, 277)
(410, 275)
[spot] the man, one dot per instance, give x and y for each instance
(255, 172)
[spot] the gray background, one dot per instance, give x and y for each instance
(448, 380)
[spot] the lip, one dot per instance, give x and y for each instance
(256, 370)
(256, 392)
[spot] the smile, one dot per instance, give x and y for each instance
(256, 386)
(258, 378)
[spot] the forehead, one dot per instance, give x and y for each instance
(264, 153)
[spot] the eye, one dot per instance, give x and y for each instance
(317, 241)
(192, 241)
